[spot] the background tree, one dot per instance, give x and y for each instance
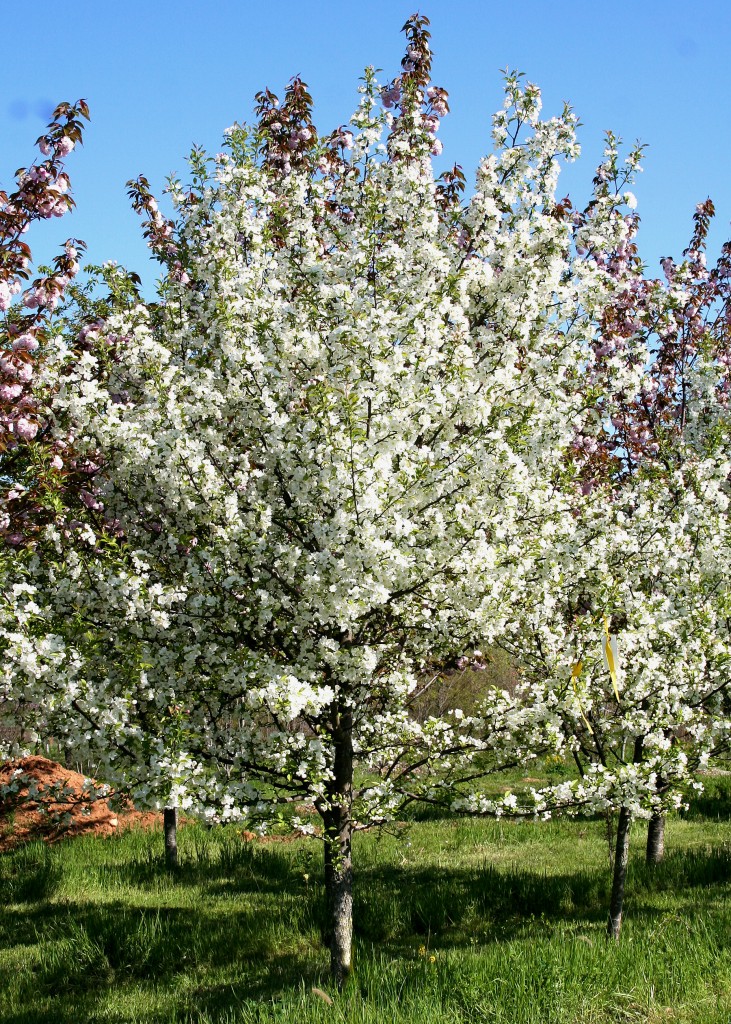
(652, 568)
(32, 467)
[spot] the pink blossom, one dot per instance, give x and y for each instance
(179, 273)
(44, 147)
(8, 392)
(90, 501)
(4, 296)
(436, 147)
(90, 332)
(25, 343)
(391, 96)
(438, 99)
(57, 462)
(24, 373)
(26, 429)
(64, 146)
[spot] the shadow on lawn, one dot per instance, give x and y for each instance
(85, 948)
(453, 907)
(28, 874)
(269, 940)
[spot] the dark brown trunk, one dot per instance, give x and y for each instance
(619, 876)
(338, 833)
(170, 828)
(339, 895)
(655, 838)
(621, 857)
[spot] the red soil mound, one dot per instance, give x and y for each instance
(61, 805)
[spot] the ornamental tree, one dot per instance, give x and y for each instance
(651, 557)
(37, 478)
(331, 453)
(42, 478)
(32, 463)
(679, 413)
(671, 437)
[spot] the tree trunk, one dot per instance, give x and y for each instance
(338, 832)
(621, 857)
(339, 895)
(655, 838)
(170, 827)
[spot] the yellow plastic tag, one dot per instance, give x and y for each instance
(575, 673)
(611, 656)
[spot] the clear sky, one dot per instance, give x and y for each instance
(161, 75)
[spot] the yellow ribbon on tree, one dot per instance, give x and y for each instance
(611, 656)
(575, 673)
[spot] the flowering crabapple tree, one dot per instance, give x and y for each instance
(680, 411)
(37, 478)
(670, 438)
(331, 454)
(651, 554)
(32, 466)
(639, 725)
(42, 480)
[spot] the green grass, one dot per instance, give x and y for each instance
(456, 921)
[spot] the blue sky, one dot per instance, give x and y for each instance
(160, 76)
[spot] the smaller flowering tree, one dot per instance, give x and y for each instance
(640, 638)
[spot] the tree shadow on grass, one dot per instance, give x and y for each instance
(451, 907)
(215, 868)
(264, 937)
(84, 948)
(29, 874)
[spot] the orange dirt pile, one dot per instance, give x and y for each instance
(21, 819)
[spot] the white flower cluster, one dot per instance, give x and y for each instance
(340, 451)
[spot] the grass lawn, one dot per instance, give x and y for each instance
(456, 921)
